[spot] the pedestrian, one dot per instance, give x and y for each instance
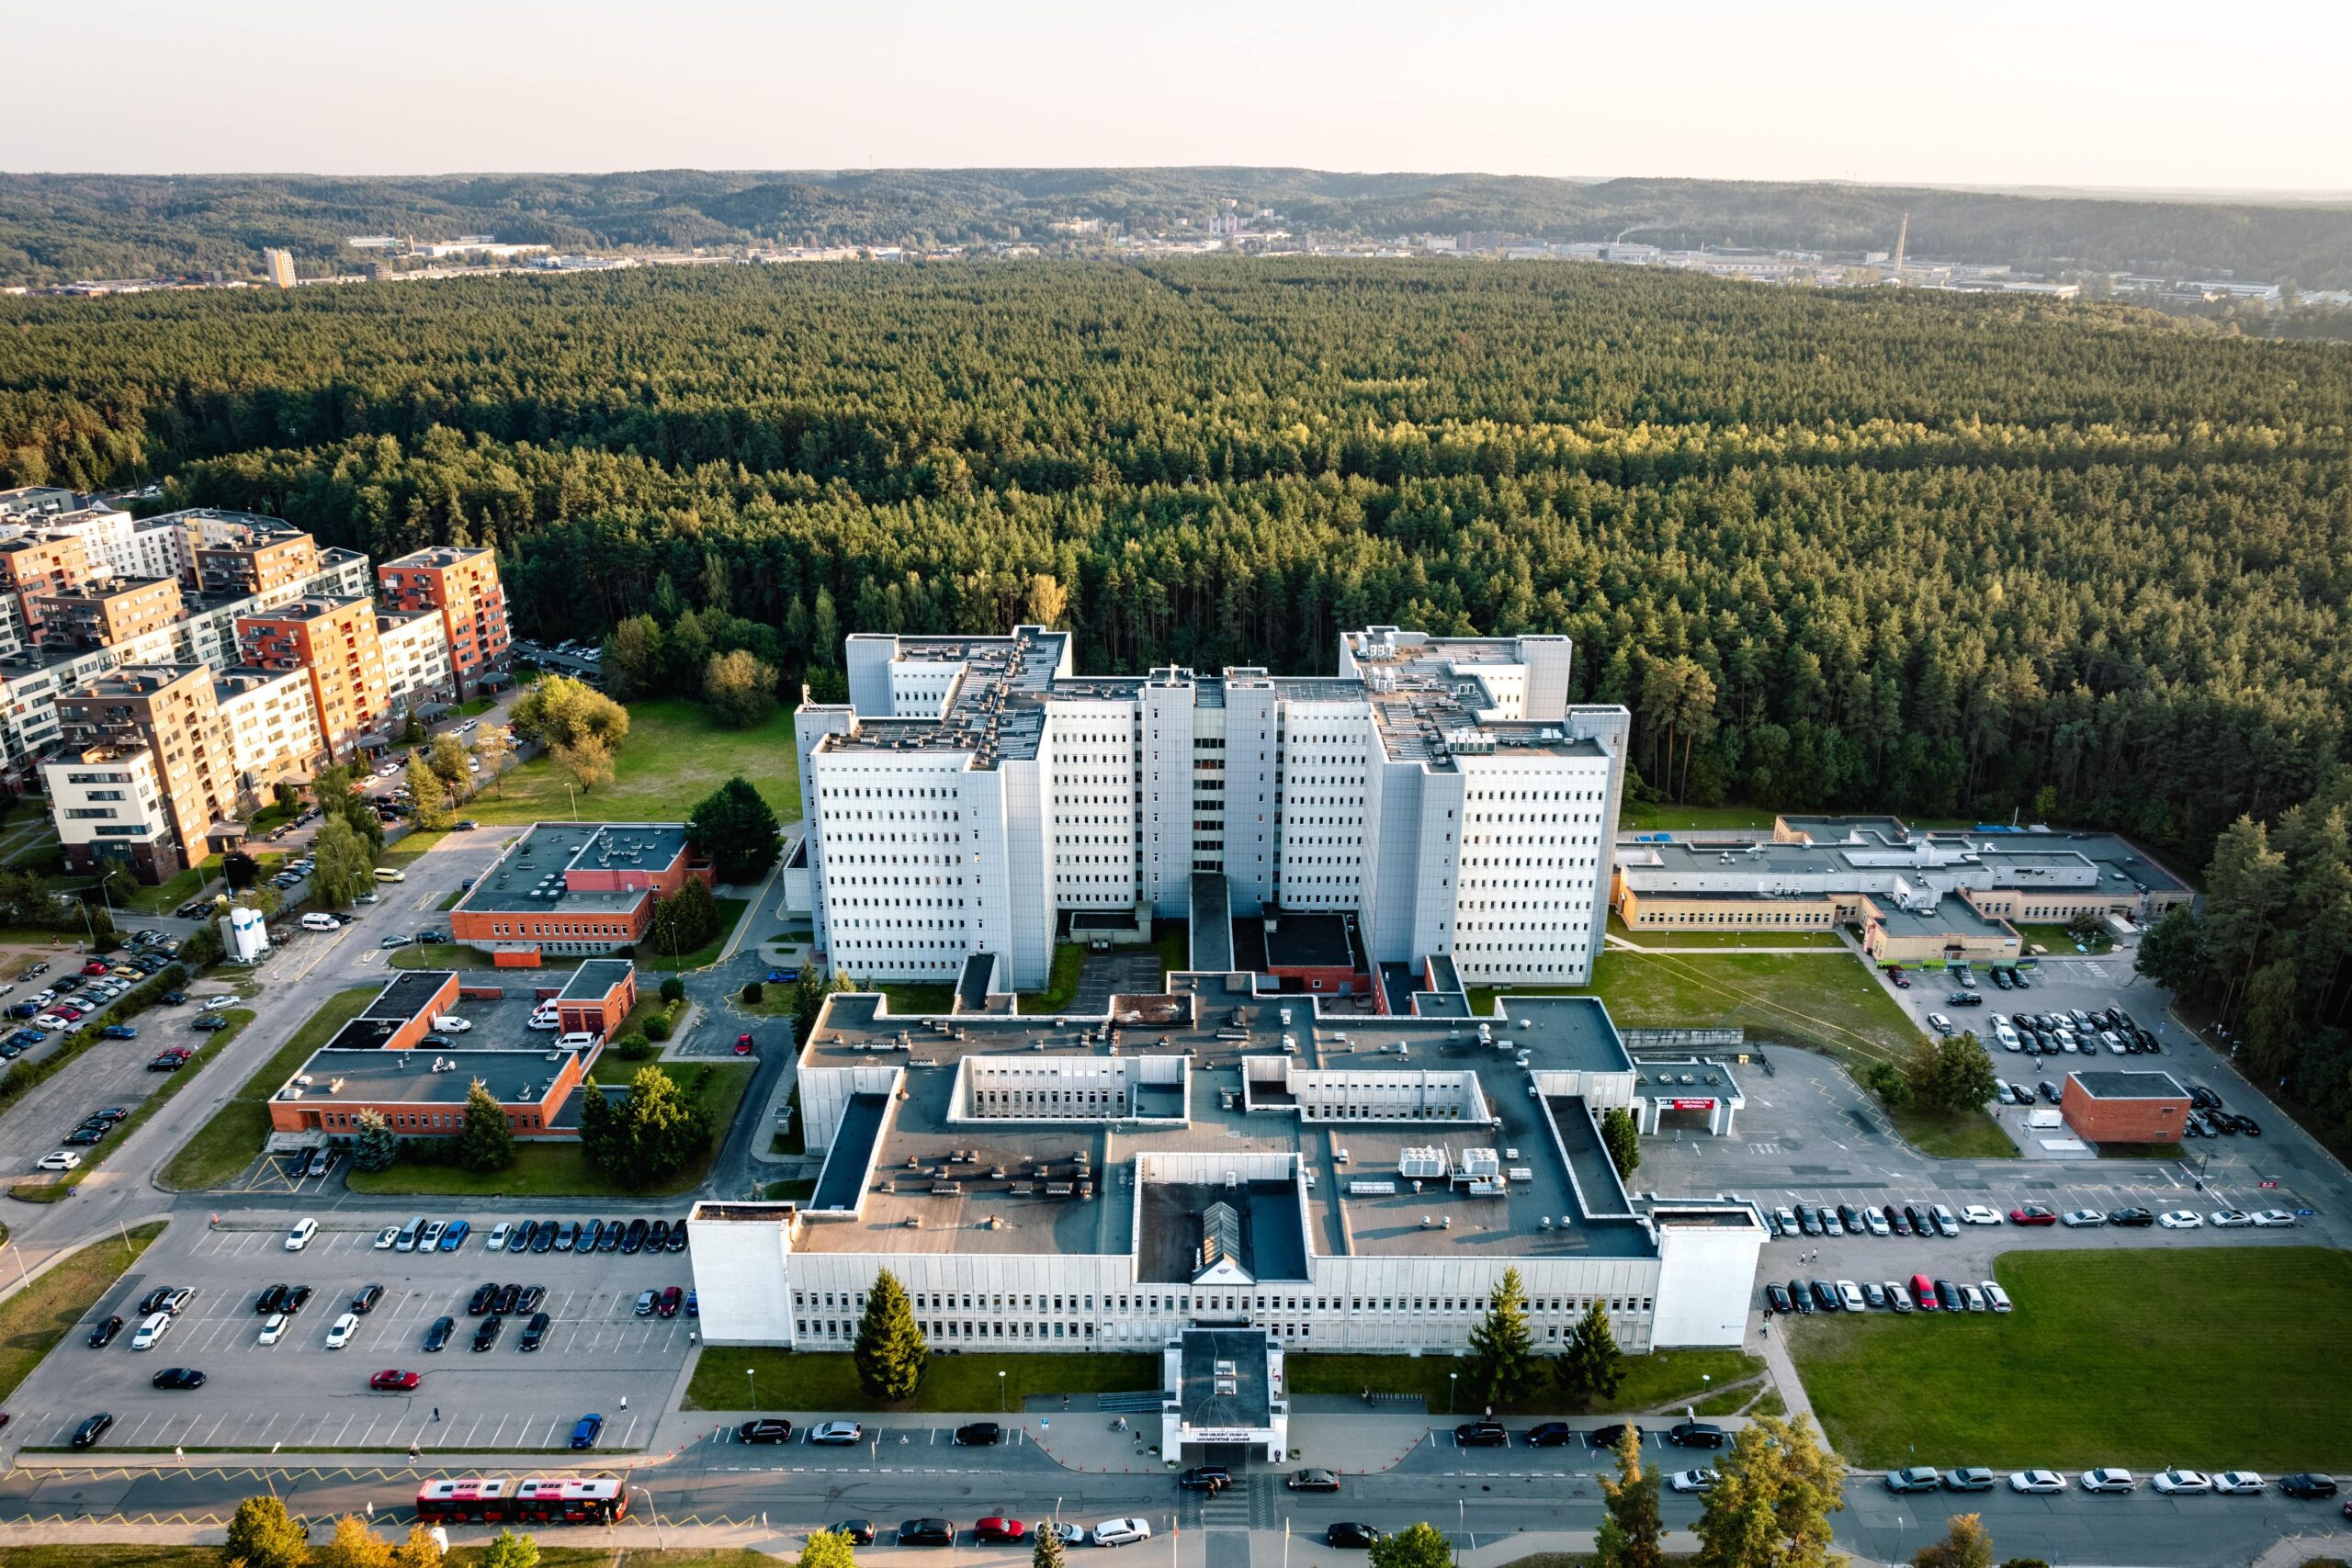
(436, 1413)
(411, 1453)
(1065, 1402)
(623, 1401)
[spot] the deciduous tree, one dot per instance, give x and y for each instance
(738, 688)
(1769, 1507)
(1421, 1545)
(428, 795)
(262, 1534)
(1632, 1532)
(353, 1545)
(1964, 1545)
(343, 866)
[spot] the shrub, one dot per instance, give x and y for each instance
(633, 1047)
(754, 992)
(658, 1026)
(673, 990)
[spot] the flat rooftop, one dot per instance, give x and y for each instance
(1222, 1381)
(2121, 1085)
(594, 979)
(990, 1185)
(410, 993)
(517, 1077)
(531, 877)
(1951, 914)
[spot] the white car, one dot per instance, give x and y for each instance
(1940, 1023)
(1978, 1214)
(2037, 1481)
(299, 1236)
(2229, 1219)
(497, 1239)
(1850, 1296)
(2182, 1482)
(1876, 1222)
(2081, 1219)
(154, 1328)
(1691, 1479)
(63, 1159)
(2181, 1220)
(387, 1237)
(2271, 1219)
(429, 1238)
(1120, 1532)
(339, 1334)
(836, 1432)
(2108, 1480)
(51, 1021)
(2239, 1483)
(450, 1023)
(273, 1328)
(1997, 1297)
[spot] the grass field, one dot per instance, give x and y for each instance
(801, 1380)
(2209, 1357)
(1653, 1380)
(2057, 939)
(32, 1321)
(558, 1170)
(675, 754)
(232, 1139)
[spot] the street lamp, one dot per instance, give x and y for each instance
(753, 1374)
(1451, 1380)
(999, 1391)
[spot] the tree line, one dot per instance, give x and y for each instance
(1958, 557)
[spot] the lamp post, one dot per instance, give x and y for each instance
(1453, 1381)
(753, 1374)
(999, 1391)
(570, 795)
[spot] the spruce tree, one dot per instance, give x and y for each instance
(1502, 1348)
(890, 1352)
(486, 1142)
(375, 1147)
(1590, 1366)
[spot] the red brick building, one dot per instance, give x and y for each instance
(597, 999)
(2117, 1107)
(463, 585)
(572, 888)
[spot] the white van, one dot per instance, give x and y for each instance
(390, 873)
(578, 1040)
(546, 1017)
(317, 922)
(450, 1023)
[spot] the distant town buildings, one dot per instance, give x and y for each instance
(278, 265)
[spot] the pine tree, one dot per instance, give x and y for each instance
(374, 1147)
(1631, 1532)
(1502, 1348)
(1589, 1367)
(1624, 1140)
(486, 1142)
(890, 1352)
(1047, 1552)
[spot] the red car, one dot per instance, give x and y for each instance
(996, 1527)
(94, 969)
(742, 1045)
(69, 1012)
(667, 1306)
(2032, 1214)
(393, 1381)
(1901, 982)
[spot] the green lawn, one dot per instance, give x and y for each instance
(1652, 1379)
(171, 895)
(675, 754)
(2207, 1357)
(1970, 1134)
(2057, 939)
(232, 1139)
(1061, 983)
(1174, 941)
(32, 1321)
(403, 855)
(552, 1170)
(51, 1189)
(803, 1379)
(907, 1001)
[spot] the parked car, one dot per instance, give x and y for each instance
(437, 1337)
(2108, 1480)
(2307, 1485)
(837, 1432)
(1915, 1478)
(394, 1381)
(1314, 1479)
(535, 1332)
(90, 1431)
(103, 1335)
(340, 1331)
(1120, 1532)
(2037, 1481)
(770, 1429)
(587, 1430)
(2032, 1214)
(1697, 1435)
(1351, 1533)
(2178, 1483)
(1469, 1435)
(926, 1532)
(1691, 1480)
(980, 1434)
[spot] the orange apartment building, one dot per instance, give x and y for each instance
(575, 887)
(256, 562)
(376, 1063)
(463, 585)
(35, 568)
(335, 640)
(108, 611)
(170, 712)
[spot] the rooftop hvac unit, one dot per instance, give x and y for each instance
(1425, 1162)
(1481, 1165)
(1521, 1173)
(1360, 1188)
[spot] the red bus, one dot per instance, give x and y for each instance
(540, 1499)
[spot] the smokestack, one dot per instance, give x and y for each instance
(1902, 238)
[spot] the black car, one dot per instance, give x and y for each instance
(1607, 1437)
(1824, 1296)
(2248, 1125)
(103, 1335)
(437, 1336)
(610, 1239)
(178, 1377)
(1551, 1435)
(1777, 1298)
(1207, 1478)
(2048, 1092)
(656, 1236)
(1697, 1435)
(519, 1239)
(543, 1237)
(926, 1532)
(90, 1431)
(2130, 1218)
(2306, 1484)
(1920, 1223)
(860, 1532)
(487, 1335)
(364, 1299)
(1947, 1295)
(479, 1303)
(2203, 1098)
(268, 1302)
(535, 1332)
(634, 1238)
(980, 1434)
(1896, 1220)
(530, 1298)
(1478, 1435)
(1800, 1298)
(1851, 1218)
(771, 1429)
(508, 1298)
(1347, 1532)
(677, 1242)
(1806, 1222)
(296, 1300)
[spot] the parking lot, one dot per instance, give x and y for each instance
(298, 1393)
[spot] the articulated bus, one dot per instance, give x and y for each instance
(541, 1499)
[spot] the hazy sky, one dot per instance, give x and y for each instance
(2151, 92)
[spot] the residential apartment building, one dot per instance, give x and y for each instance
(272, 724)
(256, 562)
(416, 658)
(169, 710)
(33, 567)
(107, 612)
(973, 790)
(335, 642)
(462, 584)
(104, 533)
(108, 807)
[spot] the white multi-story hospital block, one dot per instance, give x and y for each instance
(974, 794)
